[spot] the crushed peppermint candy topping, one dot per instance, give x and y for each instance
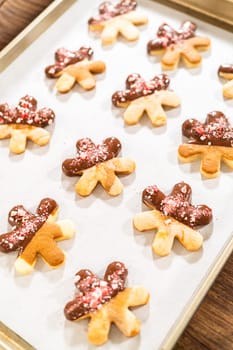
(178, 205)
(65, 57)
(216, 130)
(168, 222)
(90, 154)
(137, 87)
(107, 10)
(26, 113)
(93, 292)
(25, 225)
(168, 36)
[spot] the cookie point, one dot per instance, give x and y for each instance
(22, 267)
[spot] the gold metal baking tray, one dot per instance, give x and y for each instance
(12, 341)
(214, 11)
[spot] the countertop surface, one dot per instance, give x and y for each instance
(211, 327)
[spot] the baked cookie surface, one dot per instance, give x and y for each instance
(106, 301)
(24, 122)
(226, 71)
(149, 97)
(173, 216)
(212, 141)
(98, 163)
(175, 45)
(121, 18)
(72, 67)
(35, 234)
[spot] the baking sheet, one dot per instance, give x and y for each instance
(212, 11)
(33, 305)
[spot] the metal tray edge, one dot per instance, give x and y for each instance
(41, 23)
(205, 10)
(9, 340)
(32, 31)
(198, 295)
(56, 8)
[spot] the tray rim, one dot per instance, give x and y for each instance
(206, 12)
(57, 7)
(40, 24)
(10, 340)
(199, 294)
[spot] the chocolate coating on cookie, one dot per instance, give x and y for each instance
(107, 10)
(26, 113)
(137, 87)
(178, 205)
(90, 154)
(93, 292)
(64, 58)
(216, 130)
(225, 69)
(25, 225)
(167, 36)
